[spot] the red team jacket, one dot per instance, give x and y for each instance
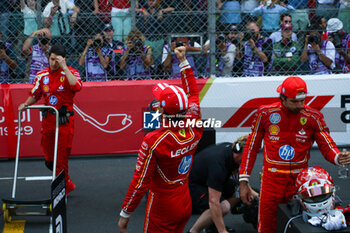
(54, 87)
(166, 155)
(288, 138)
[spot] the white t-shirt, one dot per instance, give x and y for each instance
(330, 53)
(277, 36)
(30, 24)
(65, 5)
(71, 11)
(228, 59)
(325, 1)
(248, 5)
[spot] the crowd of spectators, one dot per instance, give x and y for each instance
(107, 40)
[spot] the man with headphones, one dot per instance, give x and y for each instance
(213, 183)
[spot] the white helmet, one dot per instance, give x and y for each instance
(316, 190)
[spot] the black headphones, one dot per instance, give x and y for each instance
(237, 148)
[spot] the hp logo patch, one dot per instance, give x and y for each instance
(46, 80)
(286, 152)
(275, 118)
(151, 120)
(185, 164)
(53, 100)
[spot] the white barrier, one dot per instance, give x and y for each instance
(234, 101)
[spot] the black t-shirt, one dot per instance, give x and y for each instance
(213, 166)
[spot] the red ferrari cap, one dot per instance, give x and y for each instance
(173, 99)
(291, 86)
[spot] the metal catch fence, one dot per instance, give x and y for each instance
(136, 39)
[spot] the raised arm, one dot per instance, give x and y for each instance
(29, 41)
(189, 83)
(74, 16)
(73, 77)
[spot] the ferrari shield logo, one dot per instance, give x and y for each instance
(303, 120)
(62, 79)
(182, 132)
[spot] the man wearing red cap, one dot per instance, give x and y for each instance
(165, 158)
(289, 129)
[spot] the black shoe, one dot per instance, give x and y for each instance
(49, 165)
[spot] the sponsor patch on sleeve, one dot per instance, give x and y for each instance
(144, 146)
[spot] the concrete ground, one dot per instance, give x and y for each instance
(102, 183)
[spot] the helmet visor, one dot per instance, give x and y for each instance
(316, 192)
(317, 199)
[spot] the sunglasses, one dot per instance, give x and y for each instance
(287, 21)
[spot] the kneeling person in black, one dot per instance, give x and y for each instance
(212, 183)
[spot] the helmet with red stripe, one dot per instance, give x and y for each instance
(316, 190)
(173, 99)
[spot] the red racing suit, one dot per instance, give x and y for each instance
(163, 165)
(288, 138)
(54, 87)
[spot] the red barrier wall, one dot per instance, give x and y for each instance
(108, 118)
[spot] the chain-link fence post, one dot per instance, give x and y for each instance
(133, 14)
(211, 35)
(39, 18)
